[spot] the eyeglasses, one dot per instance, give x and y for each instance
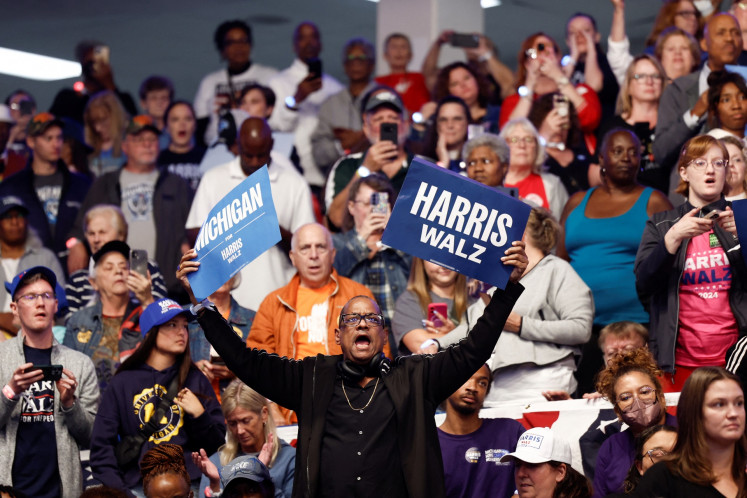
(526, 140)
(655, 454)
(701, 164)
(353, 319)
(686, 13)
(483, 160)
(31, 298)
(646, 394)
(647, 76)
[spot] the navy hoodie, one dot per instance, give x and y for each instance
(130, 400)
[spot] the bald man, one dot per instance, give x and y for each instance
(290, 194)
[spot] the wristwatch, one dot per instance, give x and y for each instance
(563, 81)
(363, 171)
(525, 92)
(205, 303)
(290, 103)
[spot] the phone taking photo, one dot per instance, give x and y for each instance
(388, 132)
(51, 372)
(464, 40)
(442, 309)
(379, 202)
(139, 261)
(315, 67)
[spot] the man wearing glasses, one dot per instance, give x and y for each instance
(155, 203)
(40, 406)
(366, 427)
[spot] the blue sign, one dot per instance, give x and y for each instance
(455, 222)
(239, 228)
(740, 220)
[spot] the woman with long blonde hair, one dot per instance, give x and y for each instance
(412, 324)
(250, 426)
(105, 121)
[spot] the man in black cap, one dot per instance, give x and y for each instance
(381, 106)
(19, 250)
(155, 203)
(47, 413)
(52, 194)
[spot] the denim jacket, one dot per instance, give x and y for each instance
(240, 320)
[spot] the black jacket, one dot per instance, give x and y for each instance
(416, 385)
(658, 275)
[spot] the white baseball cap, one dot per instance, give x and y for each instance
(539, 445)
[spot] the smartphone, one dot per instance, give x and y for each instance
(389, 131)
(442, 308)
(100, 55)
(139, 261)
(315, 67)
(464, 40)
(379, 202)
(51, 372)
(217, 360)
(711, 215)
(561, 104)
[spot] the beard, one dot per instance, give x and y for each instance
(463, 409)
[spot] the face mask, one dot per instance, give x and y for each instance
(704, 6)
(640, 415)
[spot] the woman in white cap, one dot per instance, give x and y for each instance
(542, 467)
(132, 417)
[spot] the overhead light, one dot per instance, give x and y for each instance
(35, 66)
(486, 4)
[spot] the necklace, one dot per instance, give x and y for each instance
(369, 400)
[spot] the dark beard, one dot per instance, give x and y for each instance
(462, 409)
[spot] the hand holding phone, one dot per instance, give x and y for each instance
(50, 372)
(464, 40)
(440, 308)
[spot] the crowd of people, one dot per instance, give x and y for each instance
(629, 282)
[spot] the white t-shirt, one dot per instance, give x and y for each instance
(292, 199)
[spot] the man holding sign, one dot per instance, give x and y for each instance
(366, 426)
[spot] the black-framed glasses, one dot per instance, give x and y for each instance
(656, 454)
(353, 319)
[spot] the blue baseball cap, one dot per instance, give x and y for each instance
(21, 279)
(244, 467)
(160, 312)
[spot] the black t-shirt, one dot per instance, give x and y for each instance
(49, 191)
(185, 165)
(659, 482)
(35, 470)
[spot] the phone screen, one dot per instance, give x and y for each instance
(388, 131)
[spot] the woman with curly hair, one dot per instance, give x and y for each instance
(630, 382)
(164, 473)
(710, 455)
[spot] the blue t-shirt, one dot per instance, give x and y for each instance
(35, 471)
(472, 464)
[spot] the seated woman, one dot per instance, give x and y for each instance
(447, 134)
(160, 384)
(651, 446)
(182, 157)
(736, 183)
(428, 283)
(108, 328)
(250, 429)
(527, 156)
(557, 123)
(540, 73)
(542, 467)
(101, 224)
(727, 104)
(631, 383)
(203, 354)
(603, 228)
(638, 111)
(164, 473)
(105, 121)
(689, 260)
(709, 457)
(553, 316)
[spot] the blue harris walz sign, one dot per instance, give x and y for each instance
(455, 222)
(239, 228)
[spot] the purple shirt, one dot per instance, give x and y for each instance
(614, 460)
(472, 464)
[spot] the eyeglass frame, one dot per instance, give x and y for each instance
(31, 298)
(638, 394)
(365, 317)
(648, 453)
(706, 163)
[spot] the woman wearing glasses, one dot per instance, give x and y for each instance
(525, 168)
(651, 446)
(630, 382)
(638, 111)
(709, 457)
(690, 260)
